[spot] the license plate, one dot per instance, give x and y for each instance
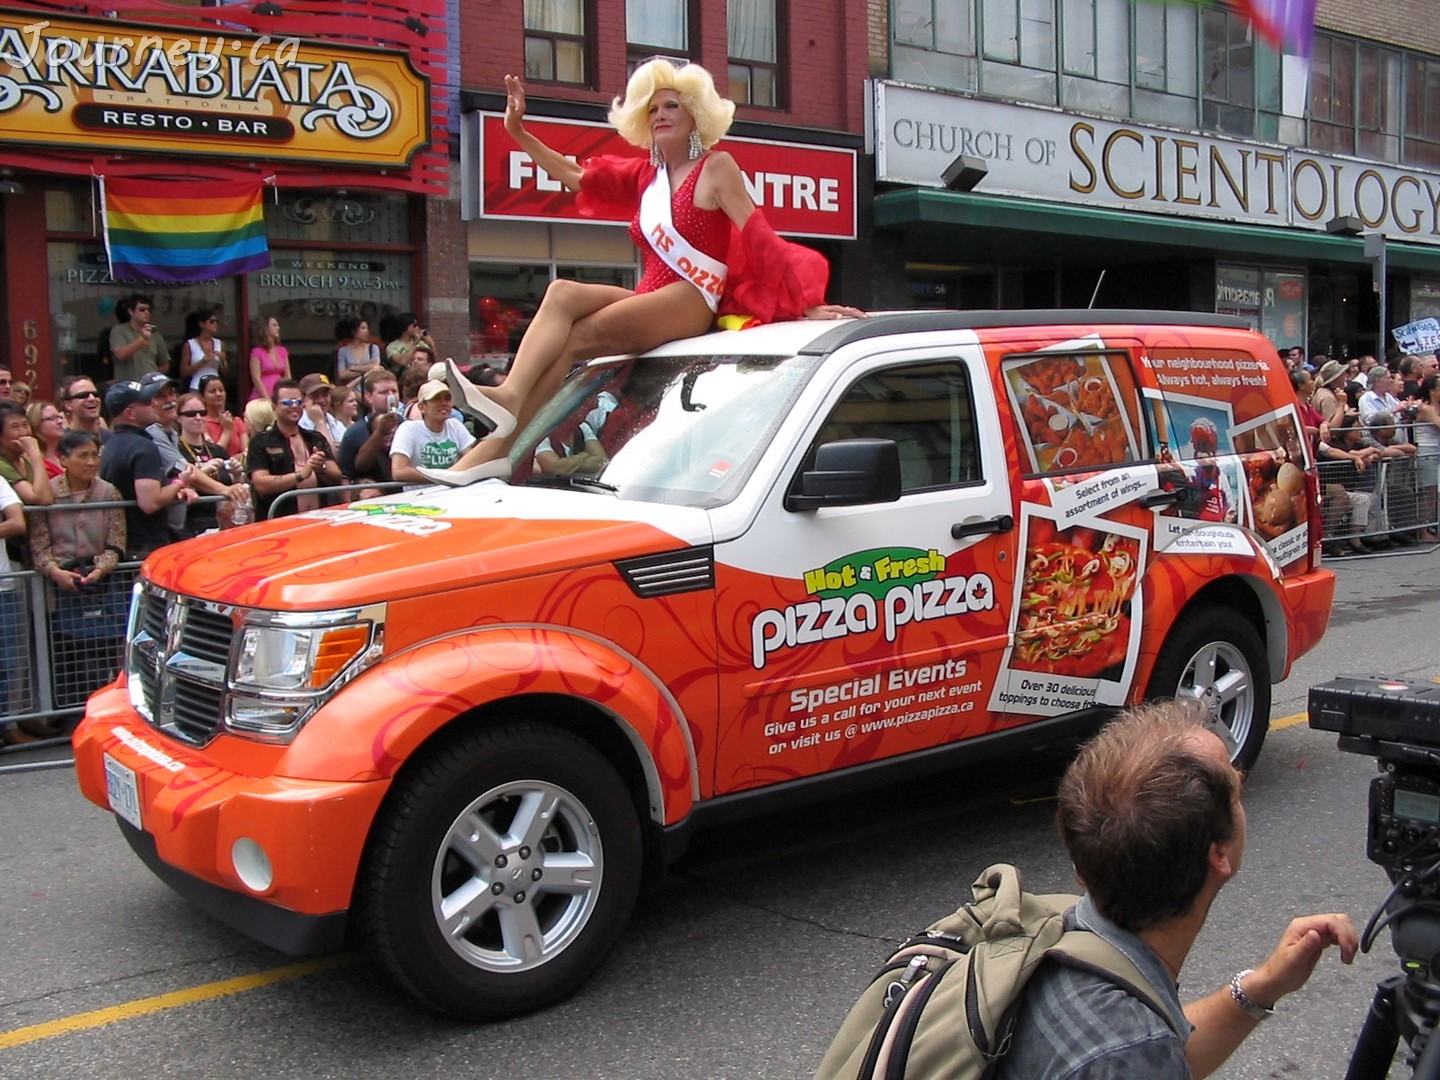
(122, 791)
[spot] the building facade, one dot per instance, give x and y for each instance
(339, 110)
(1160, 155)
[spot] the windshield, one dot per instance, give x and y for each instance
(685, 430)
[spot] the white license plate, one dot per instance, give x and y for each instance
(122, 791)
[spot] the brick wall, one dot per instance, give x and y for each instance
(825, 48)
(444, 292)
(1411, 23)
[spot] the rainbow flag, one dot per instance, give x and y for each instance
(182, 231)
(1287, 24)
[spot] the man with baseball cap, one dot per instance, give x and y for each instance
(131, 462)
(317, 416)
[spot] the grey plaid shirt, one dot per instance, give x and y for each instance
(1074, 1025)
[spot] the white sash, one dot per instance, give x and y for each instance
(706, 274)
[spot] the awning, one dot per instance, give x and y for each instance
(969, 227)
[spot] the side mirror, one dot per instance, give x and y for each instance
(851, 472)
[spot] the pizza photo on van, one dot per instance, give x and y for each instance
(1072, 617)
(1070, 412)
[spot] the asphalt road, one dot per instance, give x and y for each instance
(740, 965)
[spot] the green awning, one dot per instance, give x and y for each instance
(1004, 228)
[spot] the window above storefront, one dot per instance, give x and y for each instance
(1201, 67)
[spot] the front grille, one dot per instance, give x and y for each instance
(179, 658)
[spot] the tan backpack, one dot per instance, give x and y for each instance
(945, 1003)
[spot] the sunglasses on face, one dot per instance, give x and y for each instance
(6, 382)
(290, 402)
(192, 412)
(80, 394)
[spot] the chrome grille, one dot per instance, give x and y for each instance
(179, 658)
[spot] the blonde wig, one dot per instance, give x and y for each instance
(712, 113)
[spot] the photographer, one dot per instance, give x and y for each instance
(1151, 816)
(135, 345)
(400, 351)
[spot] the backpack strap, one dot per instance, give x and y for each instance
(1090, 952)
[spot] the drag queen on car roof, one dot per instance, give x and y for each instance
(707, 251)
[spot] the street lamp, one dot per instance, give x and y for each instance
(1375, 252)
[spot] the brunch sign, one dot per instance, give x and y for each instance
(78, 82)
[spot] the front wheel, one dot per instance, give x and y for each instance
(501, 872)
(1216, 657)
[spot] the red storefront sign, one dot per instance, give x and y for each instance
(804, 190)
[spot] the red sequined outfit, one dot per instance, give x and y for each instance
(624, 180)
(770, 278)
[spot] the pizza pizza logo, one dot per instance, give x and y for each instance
(878, 590)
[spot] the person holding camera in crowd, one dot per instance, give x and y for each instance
(210, 461)
(365, 449)
(136, 347)
(1151, 816)
(400, 351)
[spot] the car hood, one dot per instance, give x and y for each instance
(419, 542)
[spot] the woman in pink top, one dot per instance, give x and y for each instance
(269, 360)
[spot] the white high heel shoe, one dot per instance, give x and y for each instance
(497, 469)
(469, 398)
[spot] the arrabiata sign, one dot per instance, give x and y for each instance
(76, 83)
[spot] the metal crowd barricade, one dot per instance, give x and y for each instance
(1395, 497)
(336, 495)
(58, 647)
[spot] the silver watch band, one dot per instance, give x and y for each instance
(1252, 1010)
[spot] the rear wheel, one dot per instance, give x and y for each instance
(501, 872)
(1215, 657)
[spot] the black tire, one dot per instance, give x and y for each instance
(538, 938)
(1215, 656)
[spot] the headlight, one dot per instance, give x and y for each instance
(287, 665)
(289, 658)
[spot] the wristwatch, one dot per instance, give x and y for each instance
(1252, 1010)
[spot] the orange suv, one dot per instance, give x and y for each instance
(746, 568)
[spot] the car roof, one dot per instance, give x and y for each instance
(816, 337)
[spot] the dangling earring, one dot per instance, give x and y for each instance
(695, 148)
(655, 158)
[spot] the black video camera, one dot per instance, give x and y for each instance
(1397, 722)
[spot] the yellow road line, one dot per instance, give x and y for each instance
(145, 1006)
(1289, 721)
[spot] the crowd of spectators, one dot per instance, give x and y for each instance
(160, 442)
(1375, 431)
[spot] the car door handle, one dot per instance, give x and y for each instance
(1002, 524)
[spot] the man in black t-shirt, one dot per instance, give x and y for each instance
(286, 457)
(131, 461)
